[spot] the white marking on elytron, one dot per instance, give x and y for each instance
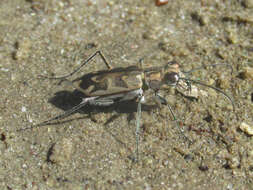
(177, 77)
(125, 96)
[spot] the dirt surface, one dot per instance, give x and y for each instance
(95, 148)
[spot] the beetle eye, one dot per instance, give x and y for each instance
(171, 78)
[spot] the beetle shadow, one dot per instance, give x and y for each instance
(66, 100)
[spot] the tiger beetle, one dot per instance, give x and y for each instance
(107, 87)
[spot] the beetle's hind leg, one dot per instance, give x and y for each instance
(58, 117)
(108, 65)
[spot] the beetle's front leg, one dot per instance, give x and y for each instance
(138, 123)
(160, 100)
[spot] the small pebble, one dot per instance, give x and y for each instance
(148, 162)
(161, 2)
(246, 128)
(233, 162)
(250, 153)
(23, 49)
(99, 117)
(4, 69)
(248, 3)
(23, 109)
(203, 168)
(200, 18)
(62, 151)
(247, 73)
(230, 186)
(233, 38)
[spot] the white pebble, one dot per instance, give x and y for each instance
(246, 128)
(23, 109)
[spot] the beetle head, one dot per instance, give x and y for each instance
(171, 73)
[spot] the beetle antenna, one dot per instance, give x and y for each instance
(209, 86)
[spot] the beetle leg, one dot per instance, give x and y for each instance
(162, 100)
(159, 100)
(103, 58)
(83, 64)
(60, 116)
(140, 63)
(137, 132)
(101, 102)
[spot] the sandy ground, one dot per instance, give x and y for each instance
(95, 148)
